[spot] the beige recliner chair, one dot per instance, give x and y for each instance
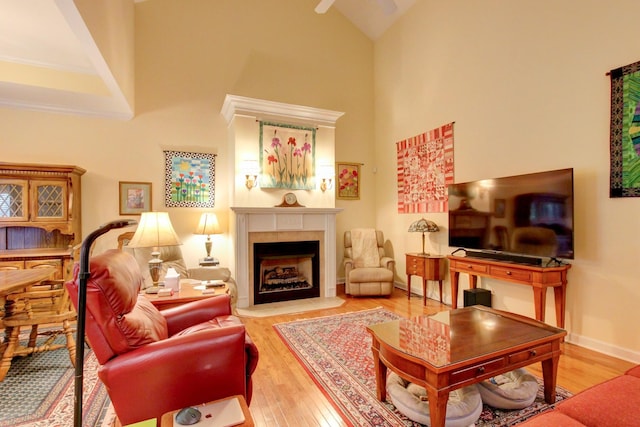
(368, 271)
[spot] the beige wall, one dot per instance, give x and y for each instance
(525, 84)
(189, 55)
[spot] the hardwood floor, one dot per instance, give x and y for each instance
(285, 395)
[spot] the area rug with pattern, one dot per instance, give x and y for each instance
(336, 352)
(38, 391)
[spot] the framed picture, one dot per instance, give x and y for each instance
(348, 181)
(287, 156)
(499, 208)
(135, 197)
(189, 179)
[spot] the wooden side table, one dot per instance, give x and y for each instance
(187, 293)
(429, 267)
(167, 419)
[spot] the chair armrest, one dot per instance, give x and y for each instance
(209, 273)
(192, 313)
(387, 262)
(183, 370)
(348, 266)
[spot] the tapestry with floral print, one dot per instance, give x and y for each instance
(425, 169)
(287, 156)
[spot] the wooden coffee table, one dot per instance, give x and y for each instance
(457, 348)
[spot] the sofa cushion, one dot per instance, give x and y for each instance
(635, 371)
(551, 418)
(612, 403)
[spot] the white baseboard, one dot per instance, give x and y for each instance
(604, 347)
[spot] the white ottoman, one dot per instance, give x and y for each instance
(512, 390)
(463, 408)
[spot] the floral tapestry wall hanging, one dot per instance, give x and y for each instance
(625, 131)
(425, 169)
(348, 181)
(287, 156)
(189, 179)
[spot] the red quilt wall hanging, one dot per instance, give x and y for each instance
(425, 169)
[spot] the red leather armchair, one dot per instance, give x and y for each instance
(152, 361)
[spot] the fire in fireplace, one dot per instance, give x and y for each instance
(286, 271)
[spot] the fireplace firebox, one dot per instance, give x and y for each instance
(286, 271)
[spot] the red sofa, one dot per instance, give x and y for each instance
(612, 403)
(153, 362)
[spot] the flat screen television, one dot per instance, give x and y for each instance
(523, 218)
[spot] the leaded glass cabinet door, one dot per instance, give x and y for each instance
(13, 200)
(48, 200)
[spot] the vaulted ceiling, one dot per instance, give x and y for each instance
(49, 62)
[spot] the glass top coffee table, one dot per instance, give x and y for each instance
(457, 348)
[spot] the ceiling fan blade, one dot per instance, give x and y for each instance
(388, 6)
(323, 6)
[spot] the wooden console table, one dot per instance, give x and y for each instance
(539, 278)
(429, 267)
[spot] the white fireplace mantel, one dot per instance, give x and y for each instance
(276, 220)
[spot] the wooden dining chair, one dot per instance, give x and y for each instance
(46, 303)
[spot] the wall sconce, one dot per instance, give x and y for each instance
(251, 171)
(326, 173)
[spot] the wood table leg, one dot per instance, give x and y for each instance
(437, 406)
(455, 275)
(381, 376)
(539, 301)
(549, 375)
(424, 291)
(408, 286)
(440, 289)
(560, 300)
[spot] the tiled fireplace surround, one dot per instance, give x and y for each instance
(266, 225)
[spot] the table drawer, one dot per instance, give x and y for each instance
(475, 371)
(470, 267)
(511, 274)
(522, 356)
(11, 265)
(415, 266)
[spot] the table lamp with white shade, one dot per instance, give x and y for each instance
(208, 225)
(154, 230)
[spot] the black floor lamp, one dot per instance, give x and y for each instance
(83, 276)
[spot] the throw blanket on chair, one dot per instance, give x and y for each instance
(365, 248)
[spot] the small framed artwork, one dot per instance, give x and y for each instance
(499, 208)
(135, 197)
(348, 177)
(189, 179)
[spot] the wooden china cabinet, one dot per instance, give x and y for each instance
(40, 216)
